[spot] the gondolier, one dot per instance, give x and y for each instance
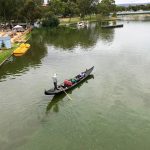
(55, 81)
(62, 88)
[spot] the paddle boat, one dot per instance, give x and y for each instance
(22, 49)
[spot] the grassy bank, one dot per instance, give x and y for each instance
(64, 21)
(6, 53)
(27, 36)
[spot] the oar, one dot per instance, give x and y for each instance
(66, 93)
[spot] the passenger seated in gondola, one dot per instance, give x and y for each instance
(74, 80)
(67, 83)
(80, 76)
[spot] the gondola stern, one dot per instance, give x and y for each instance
(48, 93)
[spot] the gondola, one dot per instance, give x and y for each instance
(61, 87)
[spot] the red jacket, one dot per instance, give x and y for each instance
(67, 83)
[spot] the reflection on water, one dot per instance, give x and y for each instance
(64, 38)
(53, 105)
(105, 35)
(19, 65)
(110, 112)
(68, 38)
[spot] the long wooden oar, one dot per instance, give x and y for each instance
(66, 93)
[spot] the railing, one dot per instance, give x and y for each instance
(133, 13)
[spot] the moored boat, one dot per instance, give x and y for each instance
(82, 24)
(22, 49)
(62, 88)
(112, 26)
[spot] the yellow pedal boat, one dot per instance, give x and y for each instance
(22, 49)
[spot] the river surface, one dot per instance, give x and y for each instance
(109, 111)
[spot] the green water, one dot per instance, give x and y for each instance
(109, 111)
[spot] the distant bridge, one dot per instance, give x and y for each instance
(132, 13)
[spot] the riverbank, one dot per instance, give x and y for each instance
(93, 18)
(6, 53)
(16, 41)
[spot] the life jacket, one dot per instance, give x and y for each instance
(73, 81)
(67, 83)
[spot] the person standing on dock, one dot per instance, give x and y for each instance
(55, 81)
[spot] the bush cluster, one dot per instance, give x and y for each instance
(52, 21)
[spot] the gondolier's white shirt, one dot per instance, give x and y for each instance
(54, 78)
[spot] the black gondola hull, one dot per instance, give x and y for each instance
(54, 92)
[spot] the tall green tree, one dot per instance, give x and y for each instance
(8, 9)
(31, 11)
(57, 6)
(50, 20)
(85, 6)
(18, 9)
(71, 8)
(106, 7)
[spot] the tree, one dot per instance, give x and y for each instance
(106, 7)
(85, 6)
(50, 20)
(31, 11)
(71, 9)
(6, 12)
(57, 6)
(120, 8)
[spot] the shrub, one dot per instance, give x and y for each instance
(51, 21)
